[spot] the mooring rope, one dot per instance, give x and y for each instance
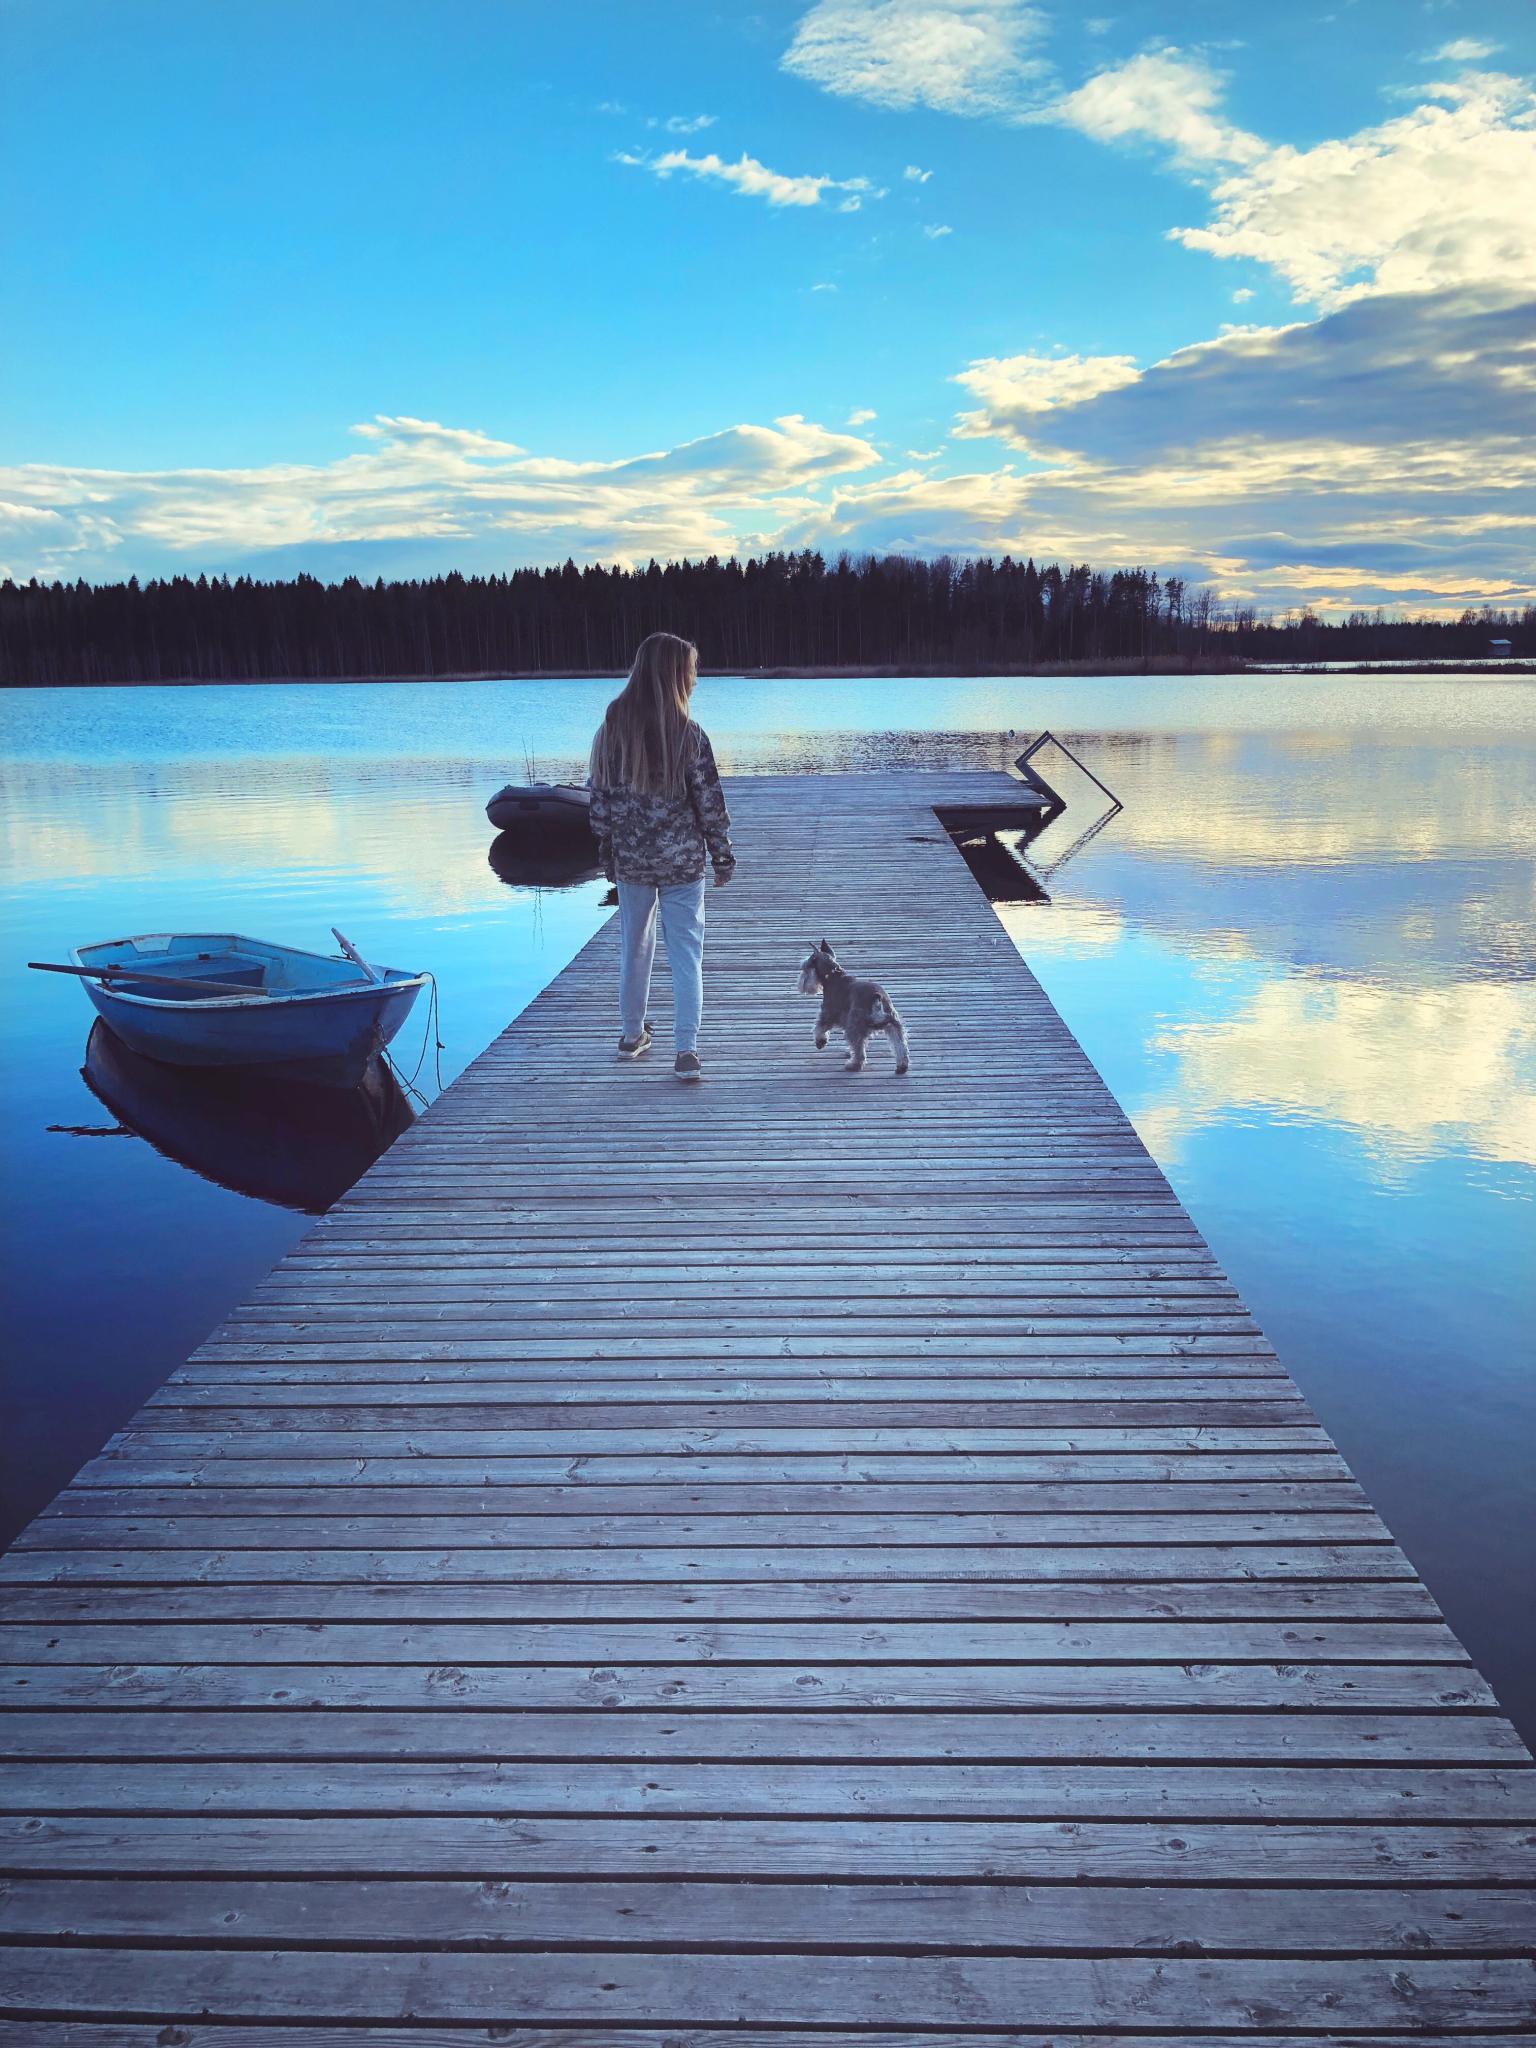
(431, 1034)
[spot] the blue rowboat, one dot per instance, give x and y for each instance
(215, 999)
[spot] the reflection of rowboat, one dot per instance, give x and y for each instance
(212, 999)
(287, 1142)
(527, 865)
(542, 809)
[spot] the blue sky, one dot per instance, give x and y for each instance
(1247, 294)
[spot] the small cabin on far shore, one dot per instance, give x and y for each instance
(1500, 650)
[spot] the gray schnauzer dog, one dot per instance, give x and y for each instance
(856, 1008)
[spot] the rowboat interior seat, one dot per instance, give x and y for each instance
(222, 968)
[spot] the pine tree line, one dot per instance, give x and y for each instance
(793, 611)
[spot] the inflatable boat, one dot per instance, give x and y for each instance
(542, 809)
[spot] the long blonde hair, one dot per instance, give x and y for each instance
(643, 740)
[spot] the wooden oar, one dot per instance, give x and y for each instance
(181, 983)
(354, 956)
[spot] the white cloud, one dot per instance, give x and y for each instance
(937, 232)
(1335, 463)
(960, 56)
(1464, 50)
(1160, 96)
(916, 175)
(687, 124)
(421, 492)
(862, 416)
(1014, 389)
(755, 180)
(1242, 295)
(1443, 371)
(1438, 197)
(424, 433)
(17, 517)
(1377, 456)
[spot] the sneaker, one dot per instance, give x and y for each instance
(631, 1048)
(686, 1067)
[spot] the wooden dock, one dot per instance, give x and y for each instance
(807, 1559)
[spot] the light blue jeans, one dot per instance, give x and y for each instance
(682, 925)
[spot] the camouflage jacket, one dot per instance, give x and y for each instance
(660, 840)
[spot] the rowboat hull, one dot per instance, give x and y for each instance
(308, 1016)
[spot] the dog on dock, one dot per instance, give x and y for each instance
(856, 1008)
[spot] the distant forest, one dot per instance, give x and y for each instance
(784, 611)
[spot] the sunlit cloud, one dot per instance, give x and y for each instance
(1163, 96)
(1433, 199)
(1449, 370)
(755, 180)
(1436, 197)
(1463, 50)
(424, 434)
(419, 482)
(27, 522)
(1017, 389)
(959, 56)
(1380, 452)
(1379, 455)
(1375, 452)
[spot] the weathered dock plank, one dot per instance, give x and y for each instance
(801, 1560)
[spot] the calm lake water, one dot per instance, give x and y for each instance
(1302, 956)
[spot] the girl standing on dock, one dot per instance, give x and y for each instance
(657, 811)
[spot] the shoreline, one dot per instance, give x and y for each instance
(1114, 672)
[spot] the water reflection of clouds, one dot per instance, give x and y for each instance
(1407, 863)
(1353, 918)
(1409, 923)
(1302, 927)
(418, 836)
(1064, 930)
(1283, 800)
